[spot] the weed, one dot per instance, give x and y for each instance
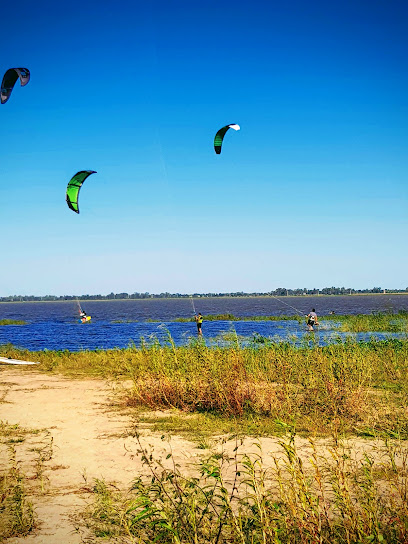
(331, 499)
(16, 510)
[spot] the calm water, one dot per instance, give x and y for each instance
(54, 326)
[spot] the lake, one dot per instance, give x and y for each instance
(120, 323)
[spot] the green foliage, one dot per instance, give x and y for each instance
(336, 499)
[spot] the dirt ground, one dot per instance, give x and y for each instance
(84, 435)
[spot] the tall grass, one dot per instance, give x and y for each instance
(356, 386)
(359, 387)
(334, 499)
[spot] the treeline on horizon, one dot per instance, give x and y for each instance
(280, 292)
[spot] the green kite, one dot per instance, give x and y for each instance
(74, 186)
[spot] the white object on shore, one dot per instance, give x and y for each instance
(16, 361)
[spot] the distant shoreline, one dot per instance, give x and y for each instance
(184, 297)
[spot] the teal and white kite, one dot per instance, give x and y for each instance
(219, 137)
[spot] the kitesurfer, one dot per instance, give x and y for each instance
(199, 320)
(312, 319)
(82, 316)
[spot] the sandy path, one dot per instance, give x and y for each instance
(88, 441)
(90, 438)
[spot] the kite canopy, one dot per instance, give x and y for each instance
(220, 136)
(9, 80)
(74, 186)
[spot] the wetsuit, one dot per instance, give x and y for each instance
(312, 319)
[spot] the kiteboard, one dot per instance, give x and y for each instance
(9, 361)
(85, 319)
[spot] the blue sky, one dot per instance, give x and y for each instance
(312, 192)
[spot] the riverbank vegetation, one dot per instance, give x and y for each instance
(346, 392)
(358, 388)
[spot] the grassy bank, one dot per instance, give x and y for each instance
(356, 387)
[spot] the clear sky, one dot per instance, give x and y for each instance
(312, 192)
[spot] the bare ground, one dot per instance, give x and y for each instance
(83, 435)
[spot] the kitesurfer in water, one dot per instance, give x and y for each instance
(199, 321)
(312, 319)
(82, 316)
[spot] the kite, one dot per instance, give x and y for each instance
(74, 186)
(9, 80)
(220, 136)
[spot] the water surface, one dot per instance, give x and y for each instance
(119, 323)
